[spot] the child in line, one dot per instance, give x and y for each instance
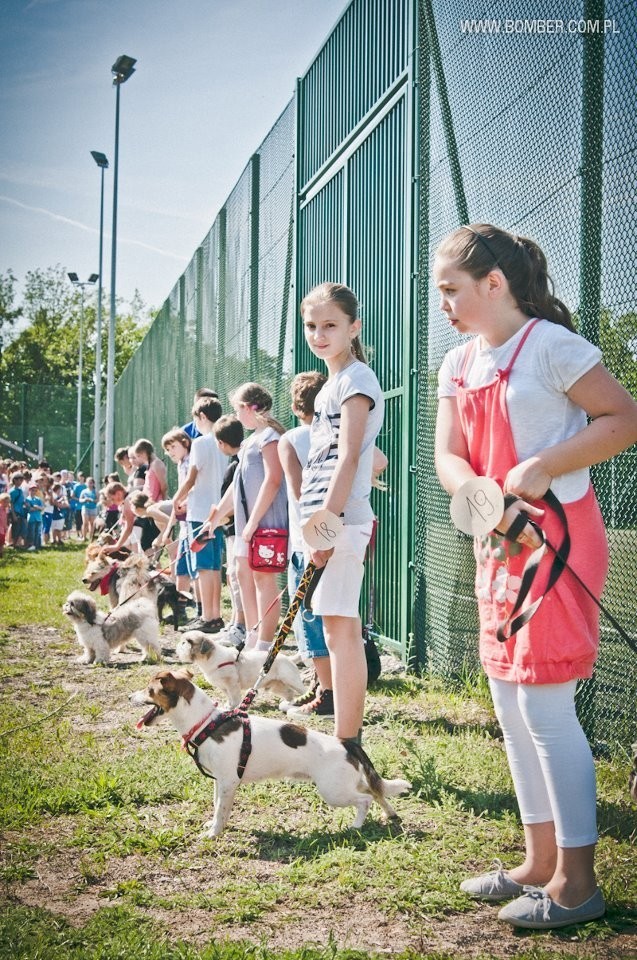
(513, 406)
(177, 445)
(60, 512)
(35, 506)
(337, 477)
(229, 436)
(18, 511)
(88, 504)
(199, 491)
(5, 507)
(294, 448)
(257, 498)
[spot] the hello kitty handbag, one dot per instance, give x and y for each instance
(268, 548)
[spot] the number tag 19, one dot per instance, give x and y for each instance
(477, 506)
(322, 530)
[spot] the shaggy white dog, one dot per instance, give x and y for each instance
(100, 633)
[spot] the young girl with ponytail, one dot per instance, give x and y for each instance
(513, 406)
(258, 499)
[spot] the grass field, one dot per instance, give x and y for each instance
(101, 856)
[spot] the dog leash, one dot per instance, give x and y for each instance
(560, 563)
(307, 585)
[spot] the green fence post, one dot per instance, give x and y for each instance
(221, 288)
(255, 168)
(445, 107)
(420, 380)
(592, 153)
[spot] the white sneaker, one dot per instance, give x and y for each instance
(30, 549)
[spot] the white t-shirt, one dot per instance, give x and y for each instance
(299, 440)
(541, 415)
(211, 464)
(356, 378)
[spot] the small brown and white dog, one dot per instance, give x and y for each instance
(234, 673)
(101, 634)
(341, 770)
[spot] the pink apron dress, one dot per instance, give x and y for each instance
(559, 643)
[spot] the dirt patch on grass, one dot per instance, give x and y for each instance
(193, 891)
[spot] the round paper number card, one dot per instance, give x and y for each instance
(477, 506)
(321, 531)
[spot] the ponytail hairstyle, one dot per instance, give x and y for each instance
(479, 248)
(139, 500)
(259, 400)
(145, 446)
(344, 298)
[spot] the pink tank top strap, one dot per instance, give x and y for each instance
(503, 374)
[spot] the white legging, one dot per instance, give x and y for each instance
(549, 756)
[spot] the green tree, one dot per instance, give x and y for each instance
(39, 367)
(9, 313)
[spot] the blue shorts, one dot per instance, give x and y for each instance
(308, 627)
(182, 568)
(209, 558)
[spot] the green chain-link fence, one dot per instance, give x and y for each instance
(413, 118)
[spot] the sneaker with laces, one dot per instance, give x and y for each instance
(321, 706)
(307, 697)
(211, 626)
(492, 887)
(195, 624)
(235, 633)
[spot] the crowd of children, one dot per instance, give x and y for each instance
(42, 507)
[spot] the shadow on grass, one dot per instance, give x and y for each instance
(437, 725)
(286, 847)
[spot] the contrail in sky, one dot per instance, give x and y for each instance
(93, 230)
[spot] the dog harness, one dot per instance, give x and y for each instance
(193, 742)
(198, 735)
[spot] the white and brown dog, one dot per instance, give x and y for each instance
(236, 672)
(100, 634)
(341, 770)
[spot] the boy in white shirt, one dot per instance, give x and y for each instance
(198, 492)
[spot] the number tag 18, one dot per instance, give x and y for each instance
(477, 506)
(322, 530)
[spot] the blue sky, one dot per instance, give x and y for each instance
(212, 77)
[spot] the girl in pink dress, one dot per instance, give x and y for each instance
(513, 406)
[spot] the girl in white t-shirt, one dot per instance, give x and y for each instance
(348, 414)
(513, 406)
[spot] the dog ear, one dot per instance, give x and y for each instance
(87, 608)
(184, 673)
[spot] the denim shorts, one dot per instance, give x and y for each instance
(182, 568)
(308, 627)
(209, 558)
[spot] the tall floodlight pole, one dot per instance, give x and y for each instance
(75, 280)
(102, 163)
(122, 69)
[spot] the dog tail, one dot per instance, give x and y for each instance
(377, 785)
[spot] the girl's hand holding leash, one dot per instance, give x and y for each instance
(320, 557)
(528, 479)
(320, 533)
